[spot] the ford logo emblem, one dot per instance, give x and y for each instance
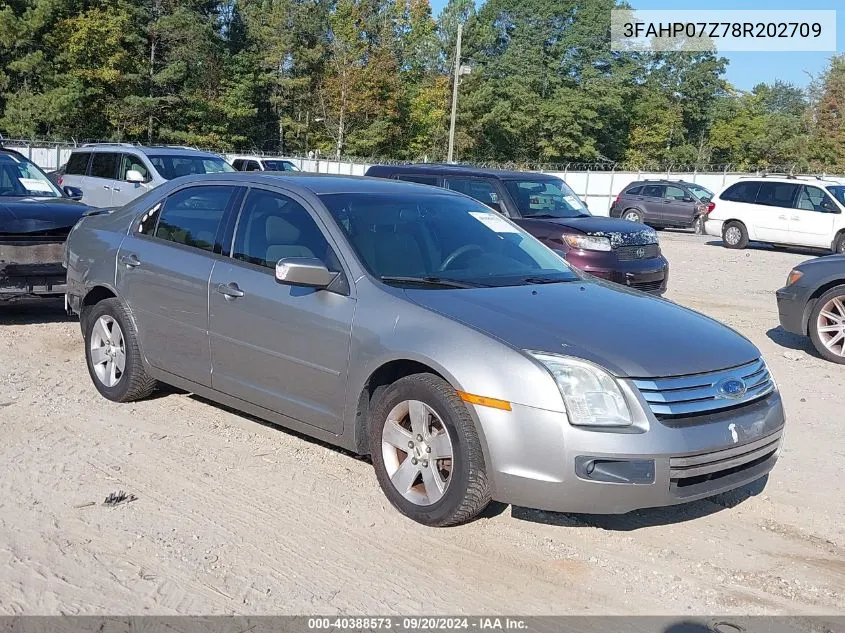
(732, 388)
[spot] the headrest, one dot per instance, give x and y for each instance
(279, 231)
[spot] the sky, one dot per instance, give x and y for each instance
(745, 69)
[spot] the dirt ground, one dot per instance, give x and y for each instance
(234, 516)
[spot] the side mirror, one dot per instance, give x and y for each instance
(133, 175)
(688, 199)
(74, 193)
(303, 271)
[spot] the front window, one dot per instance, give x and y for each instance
(176, 165)
(703, 194)
(436, 241)
(20, 177)
(838, 192)
(279, 165)
(546, 198)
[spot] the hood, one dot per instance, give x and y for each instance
(629, 333)
(33, 215)
(620, 232)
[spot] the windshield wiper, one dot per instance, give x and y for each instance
(433, 281)
(545, 280)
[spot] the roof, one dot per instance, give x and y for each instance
(435, 169)
(810, 180)
(321, 184)
(157, 150)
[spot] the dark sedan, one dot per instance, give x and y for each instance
(624, 252)
(35, 219)
(813, 304)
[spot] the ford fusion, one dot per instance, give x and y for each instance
(419, 327)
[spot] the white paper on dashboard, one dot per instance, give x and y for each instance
(33, 184)
(494, 222)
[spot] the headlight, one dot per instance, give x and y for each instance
(794, 276)
(591, 395)
(588, 242)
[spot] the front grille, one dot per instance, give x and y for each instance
(702, 393)
(634, 253)
(648, 286)
(694, 470)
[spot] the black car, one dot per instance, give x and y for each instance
(544, 205)
(35, 219)
(664, 204)
(813, 304)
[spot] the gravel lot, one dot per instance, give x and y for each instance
(235, 516)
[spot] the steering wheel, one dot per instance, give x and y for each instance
(459, 252)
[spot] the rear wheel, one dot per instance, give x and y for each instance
(698, 225)
(632, 215)
(426, 452)
(112, 353)
(734, 235)
(827, 325)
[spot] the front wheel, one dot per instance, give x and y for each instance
(426, 452)
(839, 244)
(827, 325)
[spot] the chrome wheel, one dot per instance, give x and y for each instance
(417, 452)
(830, 326)
(733, 235)
(632, 216)
(108, 351)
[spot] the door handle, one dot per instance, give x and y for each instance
(130, 261)
(795, 218)
(230, 290)
(106, 187)
(116, 189)
(781, 217)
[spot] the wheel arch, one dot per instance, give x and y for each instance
(840, 233)
(811, 302)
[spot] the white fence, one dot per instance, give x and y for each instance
(597, 188)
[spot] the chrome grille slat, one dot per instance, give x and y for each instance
(698, 393)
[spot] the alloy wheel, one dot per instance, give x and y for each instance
(632, 217)
(417, 452)
(830, 326)
(108, 351)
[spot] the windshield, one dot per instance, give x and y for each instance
(434, 240)
(705, 195)
(838, 192)
(21, 178)
(176, 165)
(279, 165)
(546, 198)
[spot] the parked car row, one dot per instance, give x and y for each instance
(418, 326)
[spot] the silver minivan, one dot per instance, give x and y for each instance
(419, 327)
(114, 174)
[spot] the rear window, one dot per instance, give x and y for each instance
(777, 194)
(653, 191)
(172, 166)
(418, 178)
(192, 216)
(104, 165)
(742, 192)
(77, 164)
(634, 191)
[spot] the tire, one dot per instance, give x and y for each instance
(734, 235)
(832, 302)
(839, 244)
(430, 496)
(125, 384)
(632, 215)
(698, 225)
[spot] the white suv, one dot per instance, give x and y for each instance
(787, 210)
(259, 163)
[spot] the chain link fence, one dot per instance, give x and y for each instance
(597, 183)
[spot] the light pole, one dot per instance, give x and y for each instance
(460, 69)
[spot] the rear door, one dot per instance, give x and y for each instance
(811, 222)
(772, 212)
(163, 269)
(653, 203)
(284, 348)
(76, 172)
(102, 178)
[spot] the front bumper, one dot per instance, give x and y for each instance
(646, 275)
(792, 309)
(31, 267)
(540, 461)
